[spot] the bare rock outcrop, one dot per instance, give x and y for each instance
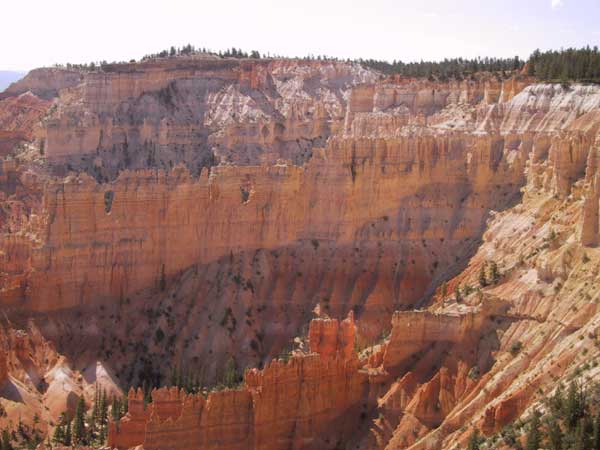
(332, 338)
(19, 118)
(312, 401)
(38, 384)
(45, 82)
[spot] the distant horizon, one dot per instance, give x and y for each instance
(383, 30)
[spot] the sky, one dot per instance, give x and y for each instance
(43, 32)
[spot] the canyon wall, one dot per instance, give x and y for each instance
(108, 241)
(312, 401)
(412, 189)
(205, 206)
(455, 371)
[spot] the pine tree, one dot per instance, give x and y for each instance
(103, 419)
(147, 392)
(457, 294)
(59, 434)
(555, 435)
(534, 437)
(482, 277)
(198, 380)
(96, 403)
(582, 436)
(6, 444)
(93, 418)
(68, 435)
(596, 433)
(575, 405)
(474, 441)
(189, 382)
(494, 273)
(115, 410)
(174, 376)
(230, 373)
(103, 409)
(79, 422)
(557, 402)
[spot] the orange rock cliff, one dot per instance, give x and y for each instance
(312, 401)
(186, 211)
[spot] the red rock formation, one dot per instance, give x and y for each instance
(362, 205)
(38, 384)
(590, 227)
(18, 117)
(161, 236)
(331, 338)
(590, 230)
(313, 401)
(415, 331)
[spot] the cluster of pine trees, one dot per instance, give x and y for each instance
(455, 68)
(489, 274)
(566, 65)
(90, 429)
(554, 65)
(232, 52)
(189, 381)
(190, 49)
(570, 421)
(24, 437)
(83, 429)
(192, 382)
(6, 441)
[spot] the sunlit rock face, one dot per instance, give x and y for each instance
(220, 201)
(374, 191)
(311, 401)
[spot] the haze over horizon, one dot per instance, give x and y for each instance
(383, 29)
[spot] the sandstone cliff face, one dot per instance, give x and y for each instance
(148, 224)
(543, 332)
(331, 338)
(310, 402)
(216, 202)
(254, 270)
(196, 112)
(413, 332)
(162, 239)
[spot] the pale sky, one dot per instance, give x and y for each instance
(35, 33)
